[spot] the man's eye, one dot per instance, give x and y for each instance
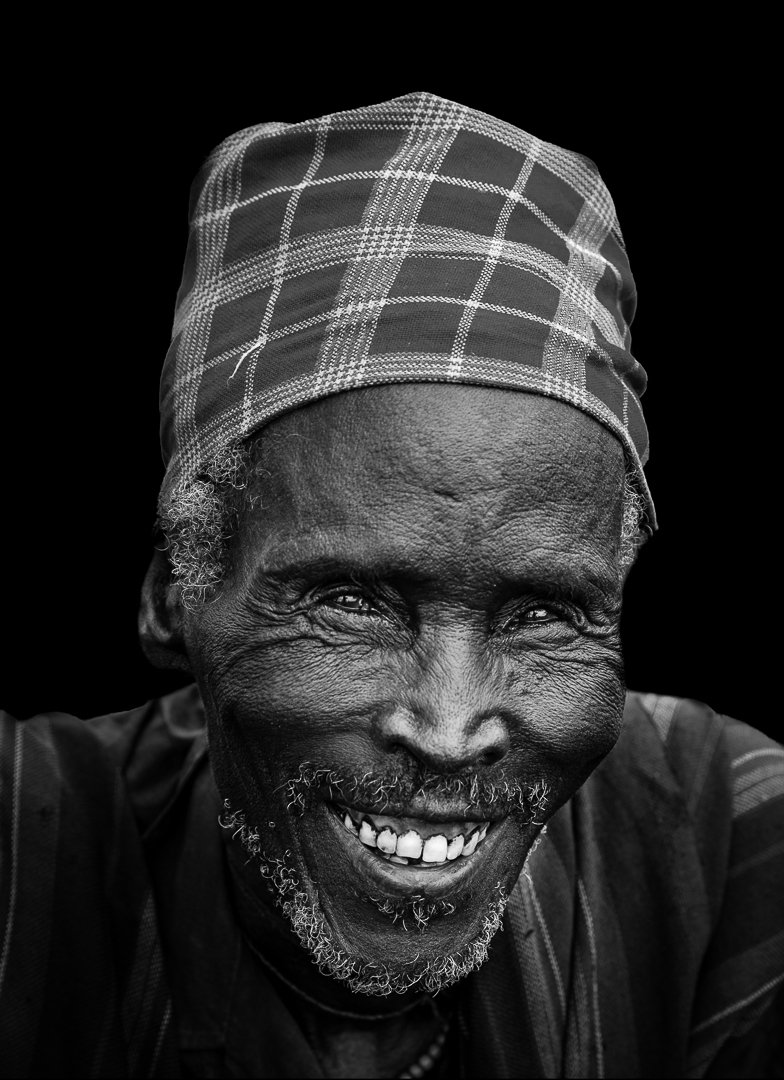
(537, 615)
(353, 602)
(533, 616)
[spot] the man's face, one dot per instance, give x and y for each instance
(421, 631)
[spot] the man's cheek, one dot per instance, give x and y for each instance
(570, 712)
(303, 691)
(292, 694)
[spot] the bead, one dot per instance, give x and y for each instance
(425, 1062)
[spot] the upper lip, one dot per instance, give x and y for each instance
(436, 881)
(423, 810)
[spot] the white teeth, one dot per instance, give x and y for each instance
(454, 847)
(386, 841)
(435, 849)
(470, 845)
(367, 834)
(409, 845)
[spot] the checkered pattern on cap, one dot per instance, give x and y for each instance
(415, 240)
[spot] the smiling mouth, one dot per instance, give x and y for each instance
(412, 841)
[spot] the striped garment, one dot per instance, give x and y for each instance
(417, 240)
(646, 937)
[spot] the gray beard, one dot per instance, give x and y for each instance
(308, 922)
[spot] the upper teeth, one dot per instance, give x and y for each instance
(401, 843)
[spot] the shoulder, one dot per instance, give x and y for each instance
(155, 748)
(80, 954)
(55, 772)
(144, 750)
(686, 745)
(680, 765)
(723, 782)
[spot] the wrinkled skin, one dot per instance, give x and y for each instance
(425, 573)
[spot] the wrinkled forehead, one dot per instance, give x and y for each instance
(363, 453)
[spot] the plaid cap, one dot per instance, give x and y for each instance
(415, 240)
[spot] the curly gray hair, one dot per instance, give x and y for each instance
(200, 520)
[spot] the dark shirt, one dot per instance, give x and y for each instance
(644, 938)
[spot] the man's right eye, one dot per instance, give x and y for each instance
(350, 601)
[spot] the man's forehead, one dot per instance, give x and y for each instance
(396, 480)
(447, 440)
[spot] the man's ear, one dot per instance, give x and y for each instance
(161, 617)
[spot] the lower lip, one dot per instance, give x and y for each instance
(436, 881)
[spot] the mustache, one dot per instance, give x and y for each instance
(389, 793)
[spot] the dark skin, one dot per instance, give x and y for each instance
(424, 574)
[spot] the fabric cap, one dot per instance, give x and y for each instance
(415, 240)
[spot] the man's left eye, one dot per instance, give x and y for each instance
(352, 602)
(536, 615)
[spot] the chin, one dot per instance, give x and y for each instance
(384, 926)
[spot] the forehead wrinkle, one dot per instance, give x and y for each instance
(359, 500)
(500, 517)
(452, 440)
(461, 503)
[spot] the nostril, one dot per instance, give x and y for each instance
(447, 744)
(493, 755)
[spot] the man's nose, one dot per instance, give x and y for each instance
(450, 715)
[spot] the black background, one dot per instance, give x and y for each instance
(103, 153)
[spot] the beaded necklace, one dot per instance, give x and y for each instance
(424, 1062)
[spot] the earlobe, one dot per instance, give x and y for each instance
(161, 618)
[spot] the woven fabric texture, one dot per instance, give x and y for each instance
(415, 240)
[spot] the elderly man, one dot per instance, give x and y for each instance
(404, 447)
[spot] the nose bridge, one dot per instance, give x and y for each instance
(450, 715)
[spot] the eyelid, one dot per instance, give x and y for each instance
(325, 594)
(333, 594)
(560, 611)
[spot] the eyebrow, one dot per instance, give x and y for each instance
(559, 580)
